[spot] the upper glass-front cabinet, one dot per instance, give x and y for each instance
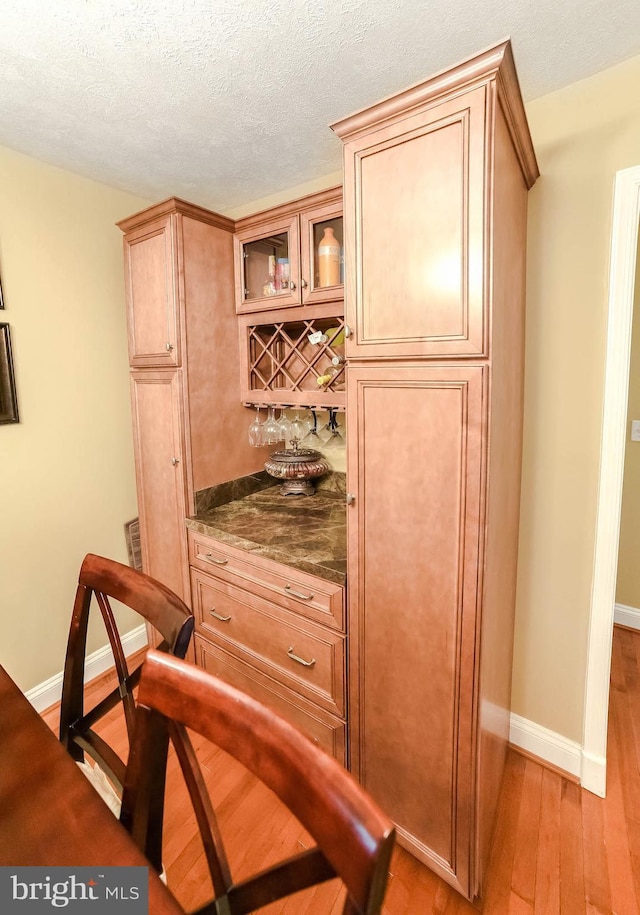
(322, 254)
(289, 257)
(268, 265)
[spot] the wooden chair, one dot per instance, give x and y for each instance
(354, 838)
(105, 579)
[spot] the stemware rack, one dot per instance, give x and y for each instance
(281, 365)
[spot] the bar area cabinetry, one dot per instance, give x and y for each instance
(274, 632)
(410, 684)
(434, 419)
(182, 344)
(279, 259)
(290, 301)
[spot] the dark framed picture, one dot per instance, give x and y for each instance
(8, 399)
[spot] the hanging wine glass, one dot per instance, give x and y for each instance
(271, 430)
(323, 431)
(285, 427)
(311, 440)
(298, 428)
(335, 439)
(256, 431)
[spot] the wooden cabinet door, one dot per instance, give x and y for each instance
(415, 466)
(260, 253)
(324, 729)
(317, 285)
(150, 282)
(414, 203)
(156, 399)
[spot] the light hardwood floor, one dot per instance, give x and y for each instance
(557, 850)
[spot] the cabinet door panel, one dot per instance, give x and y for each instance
(415, 462)
(151, 295)
(414, 211)
(308, 595)
(277, 239)
(156, 406)
(317, 287)
(319, 726)
(308, 658)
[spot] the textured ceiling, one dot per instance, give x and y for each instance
(226, 102)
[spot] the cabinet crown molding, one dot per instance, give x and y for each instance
(291, 208)
(176, 205)
(493, 66)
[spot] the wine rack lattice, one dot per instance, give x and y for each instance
(286, 367)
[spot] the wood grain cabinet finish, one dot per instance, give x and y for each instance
(190, 429)
(274, 632)
(321, 727)
(309, 658)
(280, 361)
(307, 595)
(159, 451)
(152, 313)
(415, 449)
(286, 230)
(417, 202)
(436, 182)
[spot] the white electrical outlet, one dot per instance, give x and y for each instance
(635, 430)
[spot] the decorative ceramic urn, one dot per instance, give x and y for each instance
(297, 467)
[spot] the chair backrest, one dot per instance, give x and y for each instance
(354, 838)
(103, 579)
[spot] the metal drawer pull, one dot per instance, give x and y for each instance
(289, 590)
(211, 558)
(223, 619)
(294, 657)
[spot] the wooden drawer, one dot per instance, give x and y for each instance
(322, 728)
(315, 598)
(308, 658)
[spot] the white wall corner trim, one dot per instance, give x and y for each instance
(555, 749)
(48, 693)
(627, 616)
(622, 266)
(594, 773)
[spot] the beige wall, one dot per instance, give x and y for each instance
(67, 478)
(583, 134)
(628, 583)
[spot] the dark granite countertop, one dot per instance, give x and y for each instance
(303, 532)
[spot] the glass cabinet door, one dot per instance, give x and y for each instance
(267, 266)
(322, 255)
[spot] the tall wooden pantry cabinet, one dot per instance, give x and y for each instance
(190, 429)
(435, 203)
